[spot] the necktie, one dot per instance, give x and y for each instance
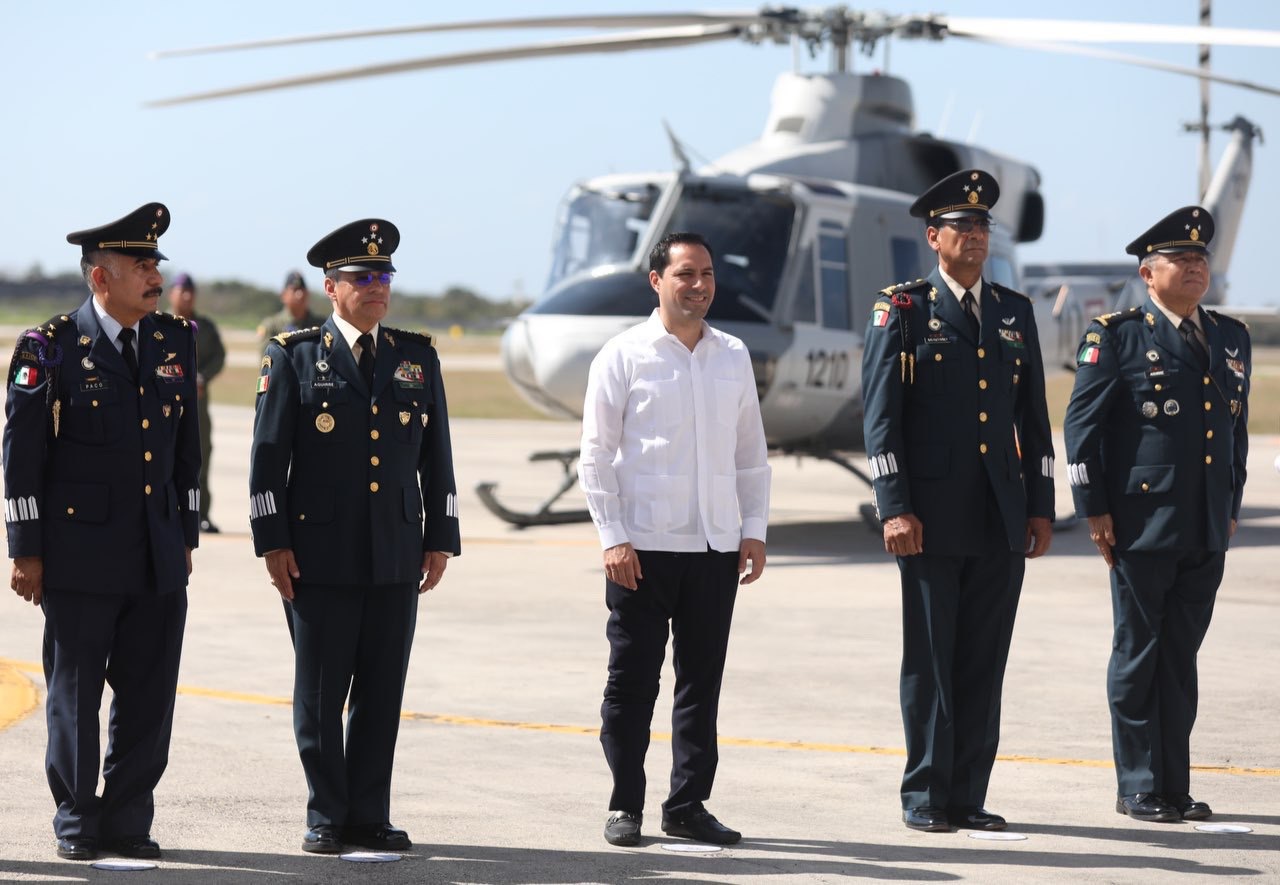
(366, 359)
(1188, 330)
(970, 312)
(126, 350)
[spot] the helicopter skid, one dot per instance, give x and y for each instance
(544, 515)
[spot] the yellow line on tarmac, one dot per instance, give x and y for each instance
(18, 695)
(584, 731)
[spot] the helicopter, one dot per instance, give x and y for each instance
(807, 222)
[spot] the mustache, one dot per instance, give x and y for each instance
(153, 293)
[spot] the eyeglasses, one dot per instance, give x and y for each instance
(361, 280)
(968, 225)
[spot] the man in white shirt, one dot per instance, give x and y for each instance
(674, 465)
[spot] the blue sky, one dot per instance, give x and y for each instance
(471, 163)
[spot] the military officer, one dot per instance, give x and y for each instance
(295, 311)
(1157, 434)
(354, 507)
(102, 501)
(961, 456)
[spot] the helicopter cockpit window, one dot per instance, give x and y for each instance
(598, 227)
(750, 232)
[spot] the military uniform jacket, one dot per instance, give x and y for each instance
(1152, 439)
(946, 416)
(102, 474)
(284, 322)
(358, 483)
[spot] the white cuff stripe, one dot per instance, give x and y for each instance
(882, 465)
(1078, 474)
(451, 505)
(193, 500)
(21, 509)
(1046, 467)
(262, 504)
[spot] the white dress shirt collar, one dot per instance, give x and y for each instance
(111, 327)
(351, 334)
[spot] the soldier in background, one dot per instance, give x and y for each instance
(295, 312)
(211, 356)
(101, 474)
(1157, 437)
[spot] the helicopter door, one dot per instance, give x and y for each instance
(816, 375)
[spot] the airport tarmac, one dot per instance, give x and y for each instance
(499, 774)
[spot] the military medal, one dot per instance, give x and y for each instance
(167, 409)
(935, 324)
(1171, 407)
(324, 422)
(1153, 356)
(404, 419)
(1149, 409)
(424, 419)
(322, 366)
(88, 364)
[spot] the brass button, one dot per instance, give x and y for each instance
(982, 448)
(1208, 434)
(302, 517)
(146, 456)
(937, 357)
(981, 352)
(1206, 379)
(177, 397)
(1208, 459)
(375, 408)
(982, 384)
(374, 461)
(373, 434)
(1145, 487)
(147, 488)
(145, 423)
(324, 405)
(982, 416)
(141, 391)
(95, 404)
(1208, 406)
(1018, 361)
(71, 511)
(1159, 387)
(373, 486)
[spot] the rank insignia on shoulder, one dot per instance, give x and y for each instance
(1093, 338)
(266, 362)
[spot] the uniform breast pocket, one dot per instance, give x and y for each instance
(657, 404)
(934, 367)
(327, 412)
(93, 417)
(410, 408)
(1157, 400)
(1012, 359)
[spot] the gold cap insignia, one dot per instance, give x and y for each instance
(373, 248)
(973, 196)
(1195, 235)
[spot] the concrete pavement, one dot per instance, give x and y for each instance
(499, 772)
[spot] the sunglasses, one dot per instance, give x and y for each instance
(361, 280)
(969, 225)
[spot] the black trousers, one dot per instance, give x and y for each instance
(134, 644)
(1161, 604)
(351, 647)
(957, 623)
(694, 593)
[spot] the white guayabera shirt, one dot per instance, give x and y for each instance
(673, 450)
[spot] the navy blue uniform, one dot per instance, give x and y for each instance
(101, 482)
(359, 484)
(1159, 443)
(957, 433)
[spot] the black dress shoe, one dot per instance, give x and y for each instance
(77, 848)
(623, 828)
(1188, 808)
(322, 839)
(926, 818)
(699, 825)
(971, 818)
(209, 528)
(1148, 807)
(135, 846)
(377, 837)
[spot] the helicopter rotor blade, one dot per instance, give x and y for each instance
(625, 42)
(1066, 31)
(1138, 61)
(617, 20)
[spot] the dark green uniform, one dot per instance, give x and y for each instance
(284, 321)
(211, 356)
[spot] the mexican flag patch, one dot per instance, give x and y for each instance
(263, 381)
(27, 376)
(880, 318)
(1089, 355)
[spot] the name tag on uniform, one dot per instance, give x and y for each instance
(939, 338)
(326, 384)
(89, 385)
